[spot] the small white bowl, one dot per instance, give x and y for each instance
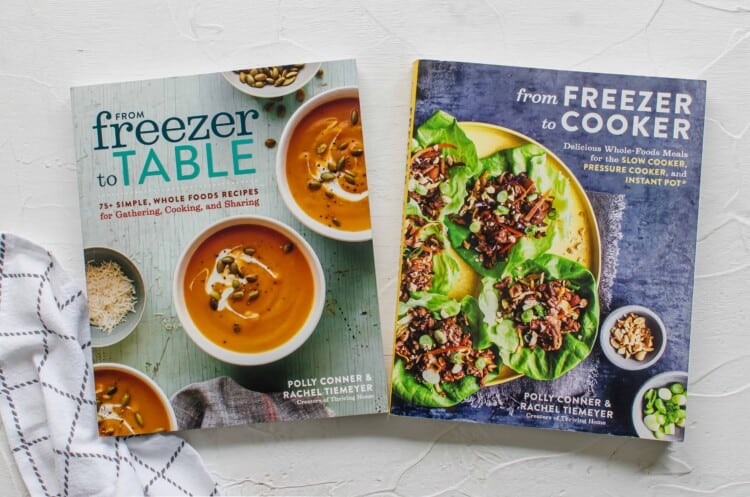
(97, 255)
(286, 194)
(248, 358)
(654, 323)
(270, 91)
(658, 381)
(163, 399)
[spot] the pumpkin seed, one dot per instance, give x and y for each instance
(252, 278)
(111, 390)
(343, 146)
(287, 247)
(321, 148)
(139, 419)
(336, 222)
(238, 295)
(234, 268)
(236, 284)
(215, 295)
(327, 176)
(125, 400)
(332, 166)
(253, 295)
(356, 152)
(354, 117)
(213, 303)
(313, 185)
(220, 267)
(248, 250)
(227, 259)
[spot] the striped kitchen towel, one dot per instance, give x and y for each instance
(47, 399)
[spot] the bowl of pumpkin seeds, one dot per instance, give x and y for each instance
(272, 81)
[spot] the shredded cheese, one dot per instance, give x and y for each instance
(111, 295)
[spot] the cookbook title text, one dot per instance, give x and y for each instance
(125, 134)
(616, 111)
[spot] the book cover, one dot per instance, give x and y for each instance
(548, 249)
(229, 262)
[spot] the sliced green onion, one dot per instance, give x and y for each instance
(676, 388)
(426, 342)
(527, 316)
(430, 376)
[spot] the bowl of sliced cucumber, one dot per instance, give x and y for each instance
(660, 407)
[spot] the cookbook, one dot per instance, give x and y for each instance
(228, 248)
(548, 249)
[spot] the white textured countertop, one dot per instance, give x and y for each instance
(46, 47)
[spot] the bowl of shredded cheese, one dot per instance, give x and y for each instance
(116, 295)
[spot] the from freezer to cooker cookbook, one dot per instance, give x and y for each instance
(228, 247)
(548, 249)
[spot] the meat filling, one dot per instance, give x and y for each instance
(544, 311)
(499, 211)
(417, 265)
(429, 168)
(438, 350)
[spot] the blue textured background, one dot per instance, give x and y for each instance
(657, 251)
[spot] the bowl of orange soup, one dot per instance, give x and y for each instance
(320, 166)
(249, 290)
(129, 403)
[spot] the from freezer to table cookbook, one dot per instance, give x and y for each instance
(548, 249)
(228, 248)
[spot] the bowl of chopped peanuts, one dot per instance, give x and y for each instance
(633, 337)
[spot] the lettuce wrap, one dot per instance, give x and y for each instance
(436, 363)
(529, 221)
(565, 332)
(442, 160)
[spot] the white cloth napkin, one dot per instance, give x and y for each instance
(47, 398)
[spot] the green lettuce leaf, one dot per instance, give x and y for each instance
(539, 364)
(441, 127)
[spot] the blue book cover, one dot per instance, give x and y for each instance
(548, 249)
